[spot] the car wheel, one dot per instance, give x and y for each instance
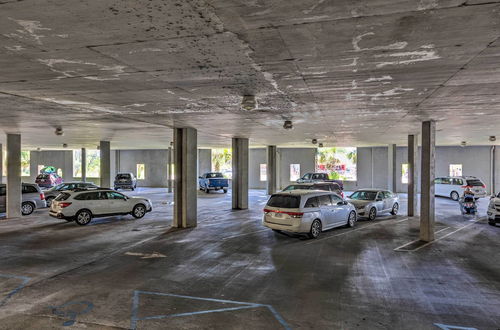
(49, 201)
(207, 190)
(372, 214)
(27, 208)
(225, 191)
(351, 220)
(492, 223)
(454, 195)
(139, 211)
(83, 217)
(395, 209)
(315, 229)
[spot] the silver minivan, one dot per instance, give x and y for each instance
(307, 211)
(454, 186)
(32, 198)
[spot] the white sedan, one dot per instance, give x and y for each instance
(83, 205)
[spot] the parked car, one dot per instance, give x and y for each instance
(494, 210)
(326, 186)
(48, 180)
(306, 211)
(52, 193)
(83, 205)
(32, 198)
(213, 181)
(371, 202)
(318, 177)
(125, 181)
(454, 186)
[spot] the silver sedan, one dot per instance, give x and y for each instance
(371, 202)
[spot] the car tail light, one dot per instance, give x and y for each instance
(42, 196)
(484, 186)
(292, 214)
(266, 211)
(64, 204)
(342, 194)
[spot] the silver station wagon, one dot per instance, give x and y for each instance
(370, 202)
(307, 211)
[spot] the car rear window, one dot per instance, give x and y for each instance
(296, 186)
(29, 189)
(284, 201)
(123, 176)
(42, 176)
(474, 182)
(62, 196)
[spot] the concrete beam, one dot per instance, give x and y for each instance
(240, 173)
(84, 164)
(427, 181)
(412, 174)
(272, 170)
(13, 205)
(105, 169)
(391, 168)
(186, 178)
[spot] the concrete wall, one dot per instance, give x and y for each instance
(62, 159)
(306, 157)
(256, 157)
(204, 161)
(155, 163)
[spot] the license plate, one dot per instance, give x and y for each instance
(278, 215)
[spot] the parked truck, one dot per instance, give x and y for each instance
(213, 181)
(318, 177)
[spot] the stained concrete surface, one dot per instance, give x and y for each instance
(120, 272)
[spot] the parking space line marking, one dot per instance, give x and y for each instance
(350, 231)
(244, 234)
(417, 240)
(25, 280)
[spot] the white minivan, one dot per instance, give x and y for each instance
(454, 186)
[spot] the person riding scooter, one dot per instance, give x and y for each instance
(468, 202)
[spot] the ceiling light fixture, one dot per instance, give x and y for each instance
(288, 124)
(59, 131)
(463, 143)
(320, 145)
(314, 141)
(493, 138)
(249, 102)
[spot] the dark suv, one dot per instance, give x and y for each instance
(125, 181)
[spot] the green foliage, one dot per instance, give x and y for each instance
(332, 158)
(25, 163)
(221, 159)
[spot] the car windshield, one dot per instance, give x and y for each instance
(42, 176)
(62, 196)
(214, 175)
(284, 201)
(297, 186)
(364, 195)
(123, 176)
(474, 183)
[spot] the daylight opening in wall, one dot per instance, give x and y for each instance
(39, 168)
(25, 163)
(455, 169)
(60, 172)
(141, 172)
(404, 173)
(339, 163)
(93, 163)
(263, 172)
(294, 172)
(222, 162)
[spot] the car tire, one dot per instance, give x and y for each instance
(454, 196)
(27, 208)
(207, 190)
(351, 219)
(83, 217)
(395, 209)
(372, 214)
(492, 223)
(49, 201)
(315, 229)
(139, 211)
(225, 191)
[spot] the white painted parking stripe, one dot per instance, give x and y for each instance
(253, 232)
(399, 248)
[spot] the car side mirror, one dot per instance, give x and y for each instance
(200, 177)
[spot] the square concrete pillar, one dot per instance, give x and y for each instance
(1, 163)
(427, 181)
(240, 173)
(13, 205)
(170, 172)
(84, 164)
(412, 174)
(391, 168)
(105, 170)
(186, 178)
(272, 170)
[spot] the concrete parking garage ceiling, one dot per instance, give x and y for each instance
(345, 72)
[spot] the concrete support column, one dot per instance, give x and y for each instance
(391, 166)
(169, 170)
(1, 163)
(427, 181)
(412, 174)
(105, 170)
(186, 180)
(240, 173)
(13, 205)
(492, 169)
(84, 164)
(272, 170)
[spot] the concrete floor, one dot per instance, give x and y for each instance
(124, 273)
